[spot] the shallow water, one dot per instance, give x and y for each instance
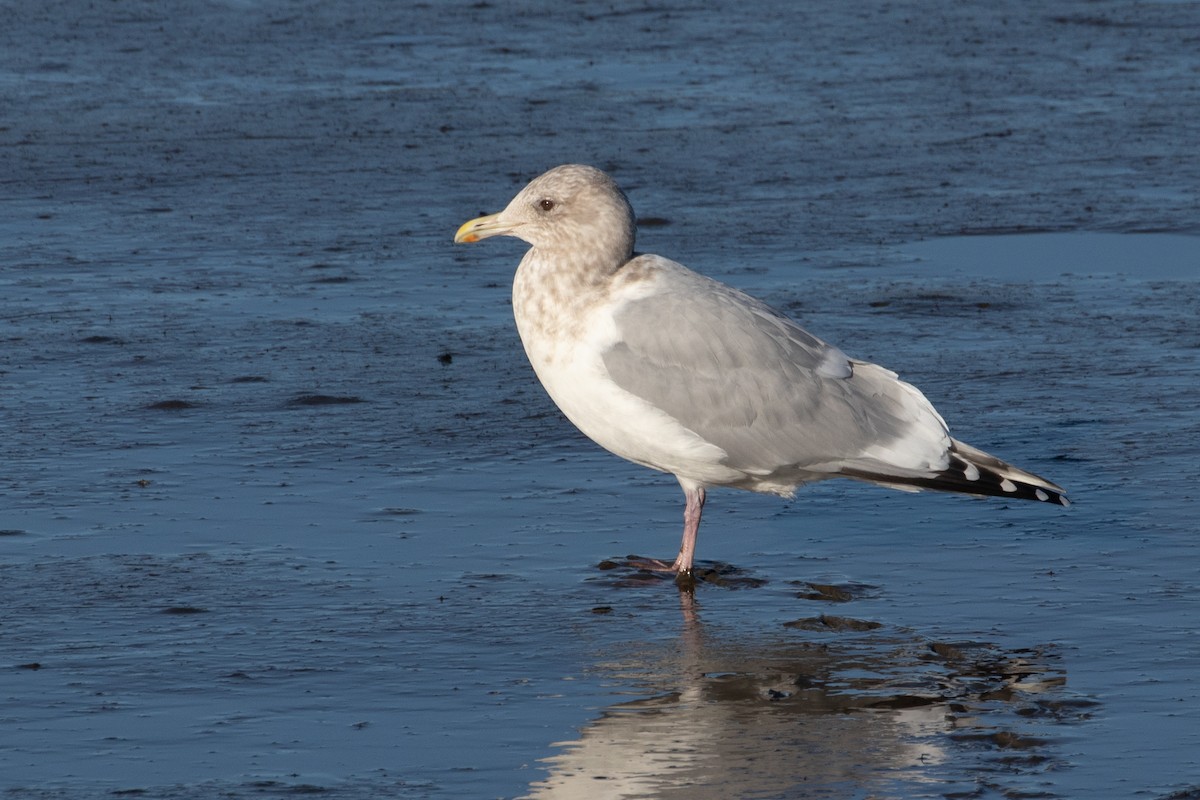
(284, 510)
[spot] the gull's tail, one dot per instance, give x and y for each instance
(973, 471)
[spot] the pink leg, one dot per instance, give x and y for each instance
(691, 526)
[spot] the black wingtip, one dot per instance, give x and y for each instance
(1002, 480)
(984, 480)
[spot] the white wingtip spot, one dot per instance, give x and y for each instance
(1008, 485)
(971, 472)
(1040, 495)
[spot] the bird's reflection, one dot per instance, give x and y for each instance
(872, 714)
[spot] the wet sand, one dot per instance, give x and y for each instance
(283, 509)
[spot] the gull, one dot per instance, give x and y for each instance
(683, 374)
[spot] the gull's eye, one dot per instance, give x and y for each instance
(546, 205)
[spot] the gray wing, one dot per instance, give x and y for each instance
(757, 385)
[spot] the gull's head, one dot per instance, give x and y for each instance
(571, 208)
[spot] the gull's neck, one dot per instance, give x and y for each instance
(554, 294)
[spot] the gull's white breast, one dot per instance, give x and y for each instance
(566, 329)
